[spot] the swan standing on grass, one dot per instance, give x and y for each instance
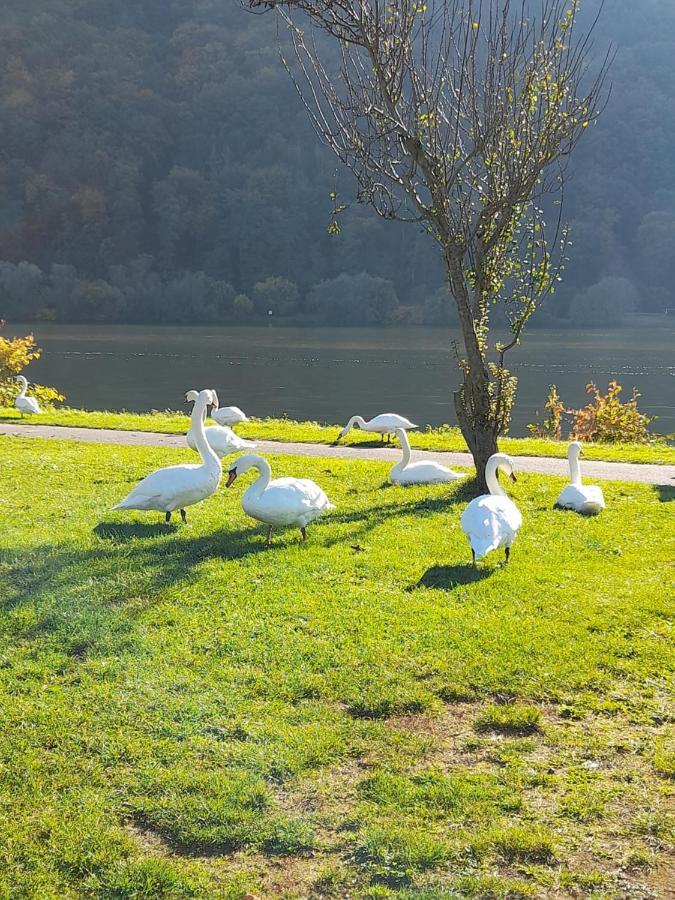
(25, 404)
(229, 415)
(583, 498)
(492, 520)
(221, 439)
(284, 501)
(176, 487)
(385, 423)
(405, 472)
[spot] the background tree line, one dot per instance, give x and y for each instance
(156, 166)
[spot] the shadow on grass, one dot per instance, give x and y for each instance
(666, 493)
(89, 596)
(129, 531)
(449, 577)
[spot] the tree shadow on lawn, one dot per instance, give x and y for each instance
(75, 593)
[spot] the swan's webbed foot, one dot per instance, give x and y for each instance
(507, 551)
(303, 532)
(167, 517)
(183, 516)
(268, 542)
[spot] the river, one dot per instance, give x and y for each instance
(328, 374)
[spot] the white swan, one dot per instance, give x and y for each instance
(492, 520)
(229, 415)
(221, 439)
(583, 498)
(25, 404)
(176, 487)
(385, 423)
(284, 501)
(405, 472)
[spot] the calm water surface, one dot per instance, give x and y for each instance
(328, 374)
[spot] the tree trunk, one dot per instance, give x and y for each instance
(479, 432)
(472, 400)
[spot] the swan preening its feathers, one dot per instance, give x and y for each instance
(177, 487)
(492, 520)
(284, 501)
(582, 498)
(405, 472)
(385, 423)
(23, 403)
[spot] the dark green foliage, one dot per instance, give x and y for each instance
(156, 164)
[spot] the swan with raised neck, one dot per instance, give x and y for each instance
(176, 487)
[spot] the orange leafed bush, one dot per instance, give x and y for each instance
(15, 355)
(607, 420)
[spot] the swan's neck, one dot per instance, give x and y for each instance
(24, 385)
(263, 479)
(494, 487)
(405, 448)
(209, 457)
(575, 468)
(356, 420)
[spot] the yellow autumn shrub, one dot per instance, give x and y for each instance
(15, 354)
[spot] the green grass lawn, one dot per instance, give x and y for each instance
(444, 438)
(187, 714)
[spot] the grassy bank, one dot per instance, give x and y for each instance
(187, 714)
(444, 438)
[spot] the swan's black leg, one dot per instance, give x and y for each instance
(508, 553)
(303, 532)
(167, 517)
(269, 536)
(183, 516)
(473, 557)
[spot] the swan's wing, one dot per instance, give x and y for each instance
(430, 471)
(585, 498)
(159, 488)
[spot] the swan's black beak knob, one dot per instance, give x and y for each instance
(513, 477)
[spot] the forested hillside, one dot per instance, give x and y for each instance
(156, 165)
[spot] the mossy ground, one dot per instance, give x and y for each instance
(443, 438)
(187, 714)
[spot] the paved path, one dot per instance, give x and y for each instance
(610, 471)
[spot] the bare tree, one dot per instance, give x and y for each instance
(458, 115)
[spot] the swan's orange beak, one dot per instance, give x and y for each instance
(231, 477)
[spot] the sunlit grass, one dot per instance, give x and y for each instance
(187, 714)
(443, 438)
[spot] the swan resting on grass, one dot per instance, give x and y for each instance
(176, 487)
(424, 472)
(384, 424)
(284, 501)
(229, 415)
(221, 439)
(492, 520)
(582, 498)
(23, 403)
